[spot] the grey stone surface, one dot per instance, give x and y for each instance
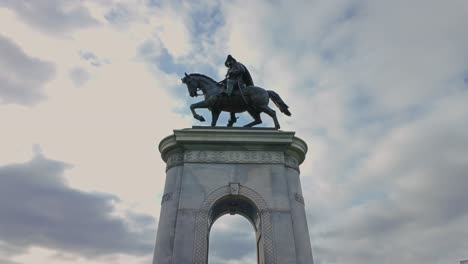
(167, 224)
(254, 173)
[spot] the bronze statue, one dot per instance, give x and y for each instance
(237, 76)
(252, 99)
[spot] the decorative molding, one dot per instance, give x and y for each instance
(176, 159)
(232, 156)
(233, 139)
(246, 156)
(234, 187)
(299, 198)
(291, 162)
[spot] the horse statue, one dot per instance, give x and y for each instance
(252, 99)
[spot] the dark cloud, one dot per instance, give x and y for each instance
(22, 77)
(39, 209)
(52, 16)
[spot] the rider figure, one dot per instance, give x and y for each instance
(236, 76)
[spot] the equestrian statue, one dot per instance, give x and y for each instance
(235, 94)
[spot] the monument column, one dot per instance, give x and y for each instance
(251, 172)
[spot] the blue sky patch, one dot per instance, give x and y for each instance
(167, 64)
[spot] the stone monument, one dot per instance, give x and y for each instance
(215, 171)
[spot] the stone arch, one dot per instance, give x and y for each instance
(205, 218)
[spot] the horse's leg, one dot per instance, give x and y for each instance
(271, 113)
(214, 117)
(232, 120)
(202, 104)
(256, 116)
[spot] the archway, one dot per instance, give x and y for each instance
(232, 239)
(235, 199)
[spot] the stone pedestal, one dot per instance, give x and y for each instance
(212, 172)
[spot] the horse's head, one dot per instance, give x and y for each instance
(205, 84)
(191, 85)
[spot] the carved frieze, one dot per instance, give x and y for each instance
(200, 156)
(232, 156)
(175, 159)
(291, 162)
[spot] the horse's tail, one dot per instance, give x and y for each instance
(279, 102)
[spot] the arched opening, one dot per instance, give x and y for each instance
(234, 199)
(232, 240)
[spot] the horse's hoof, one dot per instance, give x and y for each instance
(199, 118)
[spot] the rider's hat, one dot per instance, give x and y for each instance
(229, 59)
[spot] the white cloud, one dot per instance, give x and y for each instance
(374, 87)
(353, 74)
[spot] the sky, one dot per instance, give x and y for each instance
(378, 90)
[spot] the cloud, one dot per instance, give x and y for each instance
(79, 76)
(377, 89)
(119, 15)
(3, 261)
(39, 210)
(168, 25)
(52, 16)
(409, 195)
(354, 73)
(22, 78)
(190, 34)
(157, 56)
(232, 240)
(92, 58)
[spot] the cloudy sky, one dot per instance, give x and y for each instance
(378, 90)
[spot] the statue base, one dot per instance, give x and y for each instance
(214, 171)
